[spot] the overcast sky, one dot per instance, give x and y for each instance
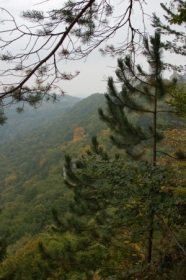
(96, 67)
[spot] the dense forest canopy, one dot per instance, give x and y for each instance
(18, 124)
(108, 208)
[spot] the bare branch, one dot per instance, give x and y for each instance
(71, 32)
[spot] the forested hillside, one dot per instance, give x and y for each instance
(93, 189)
(32, 181)
(19, 123)
(31, 167)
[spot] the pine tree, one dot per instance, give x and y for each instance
(106, 231)
(175, 16)
(117, 206)
(141, 92)
(83, 26)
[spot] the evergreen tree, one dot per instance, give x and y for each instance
(141, 92)
(106, 232)
(120, 209)
(82, 26)
(175, 15)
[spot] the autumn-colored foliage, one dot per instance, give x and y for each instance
(78, 133)
(25, 264)
(106, 132)
(86, 149)
(175, 141)
(42, 161)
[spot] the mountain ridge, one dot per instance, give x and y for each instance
(15, 123)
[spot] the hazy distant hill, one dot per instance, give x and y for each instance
(18, 124)
(31, 181)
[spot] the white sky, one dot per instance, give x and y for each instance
(96, 67)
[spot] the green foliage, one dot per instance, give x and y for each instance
(123, 213)
(178, 16)
(113, 242)
(18, 124)
(3, 247)
(2, 117)
(174, 14)
(111, 216)
(33, 16)
(25, 264)
(143, 93)
(178, 100)
(31, 169)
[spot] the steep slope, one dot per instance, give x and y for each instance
(31, 168)
(18, 124)
(31, 180)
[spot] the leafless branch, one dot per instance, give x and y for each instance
(70, 32)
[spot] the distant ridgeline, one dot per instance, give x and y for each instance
(19, 123)
(31, 164)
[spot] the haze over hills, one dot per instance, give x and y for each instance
(18, 124)
(31, 177)
(31, 162)
(31, 165)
